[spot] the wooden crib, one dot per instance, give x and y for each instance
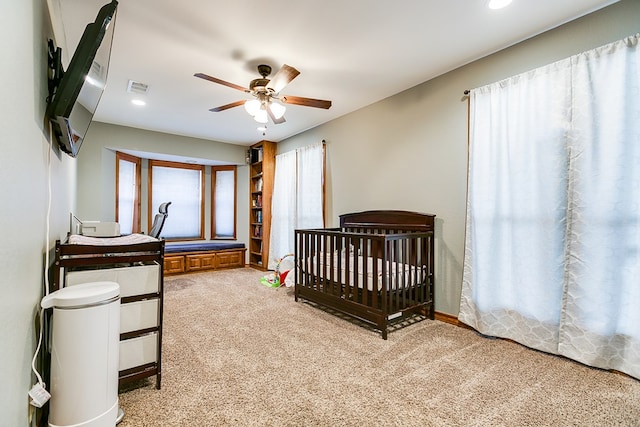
(378, 266)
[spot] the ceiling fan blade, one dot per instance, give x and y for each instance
(227, 106)
(273, 118)
(222, 82)
(282, 78)
(306, 102)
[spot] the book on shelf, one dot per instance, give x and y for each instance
(255, 155)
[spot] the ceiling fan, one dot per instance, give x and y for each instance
(265, 91)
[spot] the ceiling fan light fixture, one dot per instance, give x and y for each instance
(266, 103)
(261, 116)
(252, 106)
(277, 109)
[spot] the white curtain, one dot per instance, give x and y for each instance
(552, 251)
(297, 200)
(283, 207)
(126, 195)
(309, 195)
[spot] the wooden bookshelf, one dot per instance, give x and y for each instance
(262, 159)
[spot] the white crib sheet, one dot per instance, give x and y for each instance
(400, 274)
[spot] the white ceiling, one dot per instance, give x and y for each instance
(352, 52)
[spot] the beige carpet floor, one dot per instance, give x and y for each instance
(238, 353)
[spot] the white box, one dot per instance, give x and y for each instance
(138, 280)
(138, 315)
(100, 229)
(138, 351)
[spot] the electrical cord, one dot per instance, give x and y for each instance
(38, 391)
(35, 356)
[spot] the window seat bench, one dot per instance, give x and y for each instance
(189, 257)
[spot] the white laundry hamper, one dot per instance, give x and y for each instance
(85, 338)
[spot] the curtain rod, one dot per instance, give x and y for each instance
(467, 91)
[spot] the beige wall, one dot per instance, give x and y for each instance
(96, 169)
(28, 168)
(409, 151)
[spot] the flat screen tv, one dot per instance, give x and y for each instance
(74, 93)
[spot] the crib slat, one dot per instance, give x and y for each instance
(365, 273)
(354, 268)
(333, 268)
(325, 261)
(397, 292)
(375, 250)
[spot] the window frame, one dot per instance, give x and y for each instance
(176, 165)
(214, 169)
(136, 226)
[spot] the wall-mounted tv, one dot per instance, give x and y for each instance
(74, 93)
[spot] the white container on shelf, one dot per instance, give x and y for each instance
(138, 315)
(136, 280)
(138, 351)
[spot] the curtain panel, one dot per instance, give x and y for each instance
(298, 198)
(127, 190)
(552, 248)
(283, 207)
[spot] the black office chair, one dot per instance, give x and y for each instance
(159, 219)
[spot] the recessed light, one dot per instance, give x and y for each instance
(498, 4)
(262, 128)
(139, 102)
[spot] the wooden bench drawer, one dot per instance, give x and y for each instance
(174, 264)
(200, 262)
(230, 259)
(177, 263)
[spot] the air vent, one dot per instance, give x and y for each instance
(137, 87)
(96, 69)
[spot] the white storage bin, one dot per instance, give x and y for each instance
(138, 351)
(137, 280)
(138, 315)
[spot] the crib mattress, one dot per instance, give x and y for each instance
(400, 275)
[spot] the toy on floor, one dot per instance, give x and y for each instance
(278, 277)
